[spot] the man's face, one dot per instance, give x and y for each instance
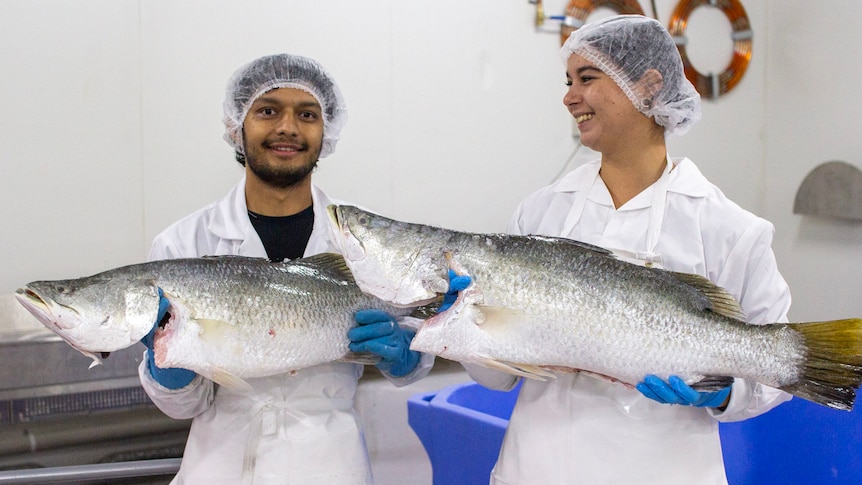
(283, 134)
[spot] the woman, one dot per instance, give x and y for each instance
(627, 91)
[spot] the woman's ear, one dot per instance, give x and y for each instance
(649, 85)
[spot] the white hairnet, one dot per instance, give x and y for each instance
(627, 46)
(261, 75)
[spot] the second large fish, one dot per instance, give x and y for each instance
(231, 317)
(541, 305)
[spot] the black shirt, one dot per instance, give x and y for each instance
(284, 237)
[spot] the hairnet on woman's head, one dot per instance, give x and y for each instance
(261, 75)
(625, 47)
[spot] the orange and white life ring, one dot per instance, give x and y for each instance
(578, 10)
(714, 85)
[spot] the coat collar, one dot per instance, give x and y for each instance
(685, 179)
(230, 221)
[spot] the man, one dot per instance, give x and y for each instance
(282, 114)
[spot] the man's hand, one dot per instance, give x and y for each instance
(379, 334)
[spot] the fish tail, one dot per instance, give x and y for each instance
(832, 370)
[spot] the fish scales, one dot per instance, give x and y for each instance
(581, 284)
(539, 303)
(231, 317)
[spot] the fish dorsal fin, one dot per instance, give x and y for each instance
(225, 257)
(573, 242)
(720, 300)
(332, 262)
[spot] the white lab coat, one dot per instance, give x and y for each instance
(295, 428)
(578, 429)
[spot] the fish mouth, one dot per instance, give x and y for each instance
(335, 225)
(333, 211)
(36, 305)
(350, 246)
(40, 308)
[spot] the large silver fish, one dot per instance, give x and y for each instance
(539, 305)
(231, 317)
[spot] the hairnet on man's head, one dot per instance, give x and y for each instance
(625, 47)
(264, 74)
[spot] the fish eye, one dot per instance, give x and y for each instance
(63, 289)
(363, 221)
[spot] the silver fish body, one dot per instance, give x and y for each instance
(231, 317)
(539, 305)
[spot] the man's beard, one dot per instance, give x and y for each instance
(279, 177)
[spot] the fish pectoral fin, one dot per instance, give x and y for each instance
(496, 317)
(213, 331)
(712, 383)
(362, 358)
(226, 379)
(523, 370)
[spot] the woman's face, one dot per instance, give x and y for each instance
(605, 116)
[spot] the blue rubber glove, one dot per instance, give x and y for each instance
(456, 283)
(379, 334)
(676, 391)
(170, 378)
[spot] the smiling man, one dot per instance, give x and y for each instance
(282, 114)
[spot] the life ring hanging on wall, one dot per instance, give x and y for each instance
(578, 10)
(714, 85)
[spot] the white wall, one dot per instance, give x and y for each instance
(70, 138)
(110, 126)
(813, 109)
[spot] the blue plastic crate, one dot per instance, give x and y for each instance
(462, 429)
(797, 442)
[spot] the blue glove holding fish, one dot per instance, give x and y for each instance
(170, 378)
(676, 391)
(457, 283)
(379, 334)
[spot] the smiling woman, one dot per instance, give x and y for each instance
(608, 122)
(628, 93)
(625, 105)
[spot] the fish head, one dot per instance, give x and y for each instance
(95, 315)
(402, 263)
